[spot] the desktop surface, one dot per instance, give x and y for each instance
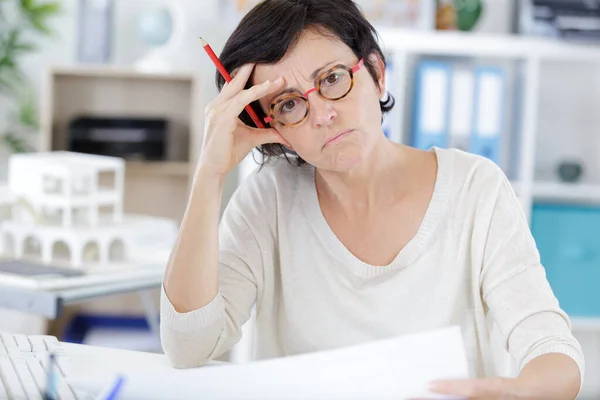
(105, 360)
(97, 368)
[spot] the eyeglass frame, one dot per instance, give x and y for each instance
(352, 70)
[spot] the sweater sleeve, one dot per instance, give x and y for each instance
(193, 338)
(515, 288)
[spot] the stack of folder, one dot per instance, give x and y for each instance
(459, 105)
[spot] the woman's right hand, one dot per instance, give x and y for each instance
(227, 140)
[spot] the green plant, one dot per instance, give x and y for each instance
(21, 22)
(458, 14)
(468, 13)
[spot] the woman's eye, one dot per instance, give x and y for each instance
(332, 79)
(288, 106)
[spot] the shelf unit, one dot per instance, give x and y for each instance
(585, 324)
(484, 45)
(158, 188)
(539, 64)
(532, 56)
(159, 168)
(567, 192)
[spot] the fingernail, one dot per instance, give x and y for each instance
(278, 80)
(266, 83)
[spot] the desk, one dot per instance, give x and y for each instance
(48, 300)
(104, 360)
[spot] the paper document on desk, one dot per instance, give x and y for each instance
(398, 368)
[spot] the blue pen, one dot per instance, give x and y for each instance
(112, 394)
(51, 384)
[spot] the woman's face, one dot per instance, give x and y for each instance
(337, 134)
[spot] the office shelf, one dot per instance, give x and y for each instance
(156, 188)
(466, 44)
(554, 80)
(166, 168)
(516, 187)
(558, 191)
(550, 114)
(583, 324)
(103, 71)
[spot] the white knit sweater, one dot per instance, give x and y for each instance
(473, 262)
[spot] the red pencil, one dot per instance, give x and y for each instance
(227, 78)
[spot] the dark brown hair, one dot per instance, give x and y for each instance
(271, 29)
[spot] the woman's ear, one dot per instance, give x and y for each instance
(376, 61)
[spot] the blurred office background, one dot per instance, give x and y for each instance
(512, 80)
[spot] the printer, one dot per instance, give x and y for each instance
(131, 138)
(576, 20)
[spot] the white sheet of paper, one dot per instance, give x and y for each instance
(397, 368)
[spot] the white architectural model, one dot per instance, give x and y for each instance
(66, 189)
(68, 210)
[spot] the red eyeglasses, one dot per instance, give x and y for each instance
(333, 84)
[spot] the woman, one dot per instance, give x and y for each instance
(344, 236)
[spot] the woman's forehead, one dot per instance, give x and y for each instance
(311, 52)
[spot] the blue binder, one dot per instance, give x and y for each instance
(488, 113)
(386, 124)
(431, 105)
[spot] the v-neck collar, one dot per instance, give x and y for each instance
(413, 249)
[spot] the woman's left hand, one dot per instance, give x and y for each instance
(484, 389)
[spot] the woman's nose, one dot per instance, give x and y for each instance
(322, 112)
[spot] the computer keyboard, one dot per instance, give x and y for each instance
(24, 367)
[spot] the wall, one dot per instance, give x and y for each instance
(203, 19)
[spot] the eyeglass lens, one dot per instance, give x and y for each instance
(292, 109)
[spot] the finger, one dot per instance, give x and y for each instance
(461, 387)
(238, 82)
(470, 388)
(254, 93)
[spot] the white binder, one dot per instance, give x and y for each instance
(431, 107)
(461, 107)
(488, 112)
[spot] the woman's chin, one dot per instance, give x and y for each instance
(347, 160)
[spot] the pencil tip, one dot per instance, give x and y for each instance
(203, 41)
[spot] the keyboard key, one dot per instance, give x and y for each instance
(22, 342)
(38, 343)
(37, 372)
(27, 380)
(8, 340)
(24, 361)
(54, 346)
(11, 381)
(3, 390)
(14, 353)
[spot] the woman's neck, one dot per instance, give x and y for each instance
(378, 181)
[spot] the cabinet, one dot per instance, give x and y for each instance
(568, 238)
(158, 188)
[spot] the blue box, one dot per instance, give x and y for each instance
(568, 239)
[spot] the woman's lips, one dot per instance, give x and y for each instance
(337, 137)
